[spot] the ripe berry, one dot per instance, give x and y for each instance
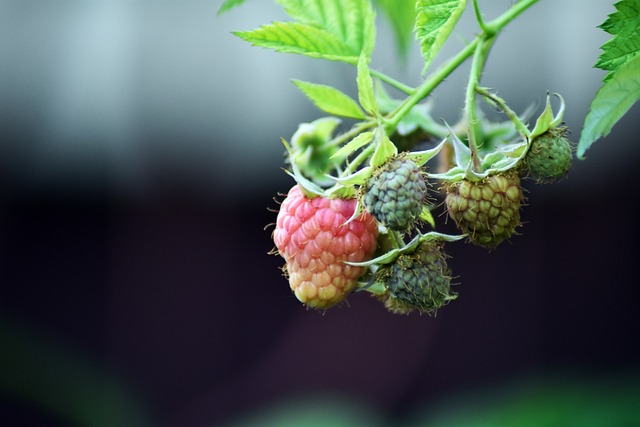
(420, 280)
(487, 210)
(312, 237)
(549, 157)
(395, 193)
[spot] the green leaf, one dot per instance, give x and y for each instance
(229, 4)
(422, 157)
(352, 21)
(356, 178)
(330, 99)
(338, 30)
(624, 25)
(389, 256)
(359, 141)
(621, 86)
(294, 37)
(434, 235)
(435, 21)
(366, 95)
(385, 149)
(401, 14)
(309, 188)
(611, 103)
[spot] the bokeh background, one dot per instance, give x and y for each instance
(139, 154)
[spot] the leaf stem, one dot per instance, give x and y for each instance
(479, 59)
(481, 23)
(500, 22)
(429, 85)
(355, 131)
(364, 155)
(392, 82)
(500, 103)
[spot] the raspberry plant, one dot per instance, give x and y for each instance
(359, 216)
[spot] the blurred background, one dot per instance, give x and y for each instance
(139, 154)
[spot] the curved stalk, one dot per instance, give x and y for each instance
(481, 23)
(502, 105)
(392, 82)
(500, 22)
(355, 131)
(479, 59)
(360, 158)
(429, 85)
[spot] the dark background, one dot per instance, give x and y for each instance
(139, 152)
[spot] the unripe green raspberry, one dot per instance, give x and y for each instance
(311, 149)
(420, 280)
(487, 210)
(396, 193)
(549, 157)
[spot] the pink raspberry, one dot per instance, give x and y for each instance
(312, 237)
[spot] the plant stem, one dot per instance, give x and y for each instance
(422, 91)
(392, 82)
(364, 154)
(355, 131)
(481, 23)
(500, 103)
(500, 22)
(429, 85)
(479, 59)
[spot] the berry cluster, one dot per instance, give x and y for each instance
(358, 217)
(328, 237)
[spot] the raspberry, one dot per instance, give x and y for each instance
(395, 193)
(420, 280)
(549, 157)
(312, 237)
(487, 210)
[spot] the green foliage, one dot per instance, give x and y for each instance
(435, 21)
(624, 25)
(365, 87)
(337, 30)
(621, 85)
(355, 144)
(331, 100)
(611, 103)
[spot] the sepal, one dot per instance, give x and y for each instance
(390, 256)
(385, 149)
(547, 120)
(422, 157)
(309, 188)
